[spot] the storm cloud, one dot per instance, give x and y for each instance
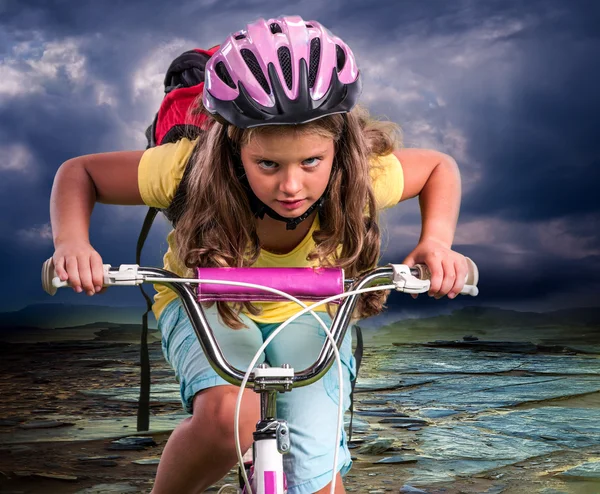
(507, 88)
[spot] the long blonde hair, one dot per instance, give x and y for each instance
(217, 227)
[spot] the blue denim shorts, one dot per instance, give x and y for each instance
(310, 411)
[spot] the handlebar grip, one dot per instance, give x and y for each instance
(48, 274)
(471, 279)
(51, 282)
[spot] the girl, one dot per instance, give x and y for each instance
(290, 172)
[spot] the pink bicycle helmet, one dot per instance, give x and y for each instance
(281, 71)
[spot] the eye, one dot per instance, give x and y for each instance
(311, 162)
(267, 165)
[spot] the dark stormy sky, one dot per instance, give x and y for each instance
(508, 88)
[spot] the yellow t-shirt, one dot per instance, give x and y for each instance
(160, 171)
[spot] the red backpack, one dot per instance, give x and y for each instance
(184, 83)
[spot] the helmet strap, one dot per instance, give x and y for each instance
(259, 208)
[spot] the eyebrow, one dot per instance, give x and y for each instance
(320, 152)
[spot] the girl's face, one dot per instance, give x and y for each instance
(288, 171)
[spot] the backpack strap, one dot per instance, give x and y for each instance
(358, 354)
(172, 213)
(175, 209)
(143, 415)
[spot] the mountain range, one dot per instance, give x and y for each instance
(492, 317)
(73, 315)
(70, 315)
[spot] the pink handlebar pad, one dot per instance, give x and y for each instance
(306, 284)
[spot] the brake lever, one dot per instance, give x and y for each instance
(406, 281)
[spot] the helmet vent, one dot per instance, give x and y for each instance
(240, 36)
(341, 57)
(285, 62)
(252, 63)
(275, 28)
(309, 25)
(315, 56)
(223, 74)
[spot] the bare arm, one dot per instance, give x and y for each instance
(435, 179)
(79, 183)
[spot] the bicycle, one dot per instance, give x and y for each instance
(264, 474)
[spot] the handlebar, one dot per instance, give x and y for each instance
(398, 277)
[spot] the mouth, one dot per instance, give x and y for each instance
(291, 205)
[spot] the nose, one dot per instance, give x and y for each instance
(291, 181)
